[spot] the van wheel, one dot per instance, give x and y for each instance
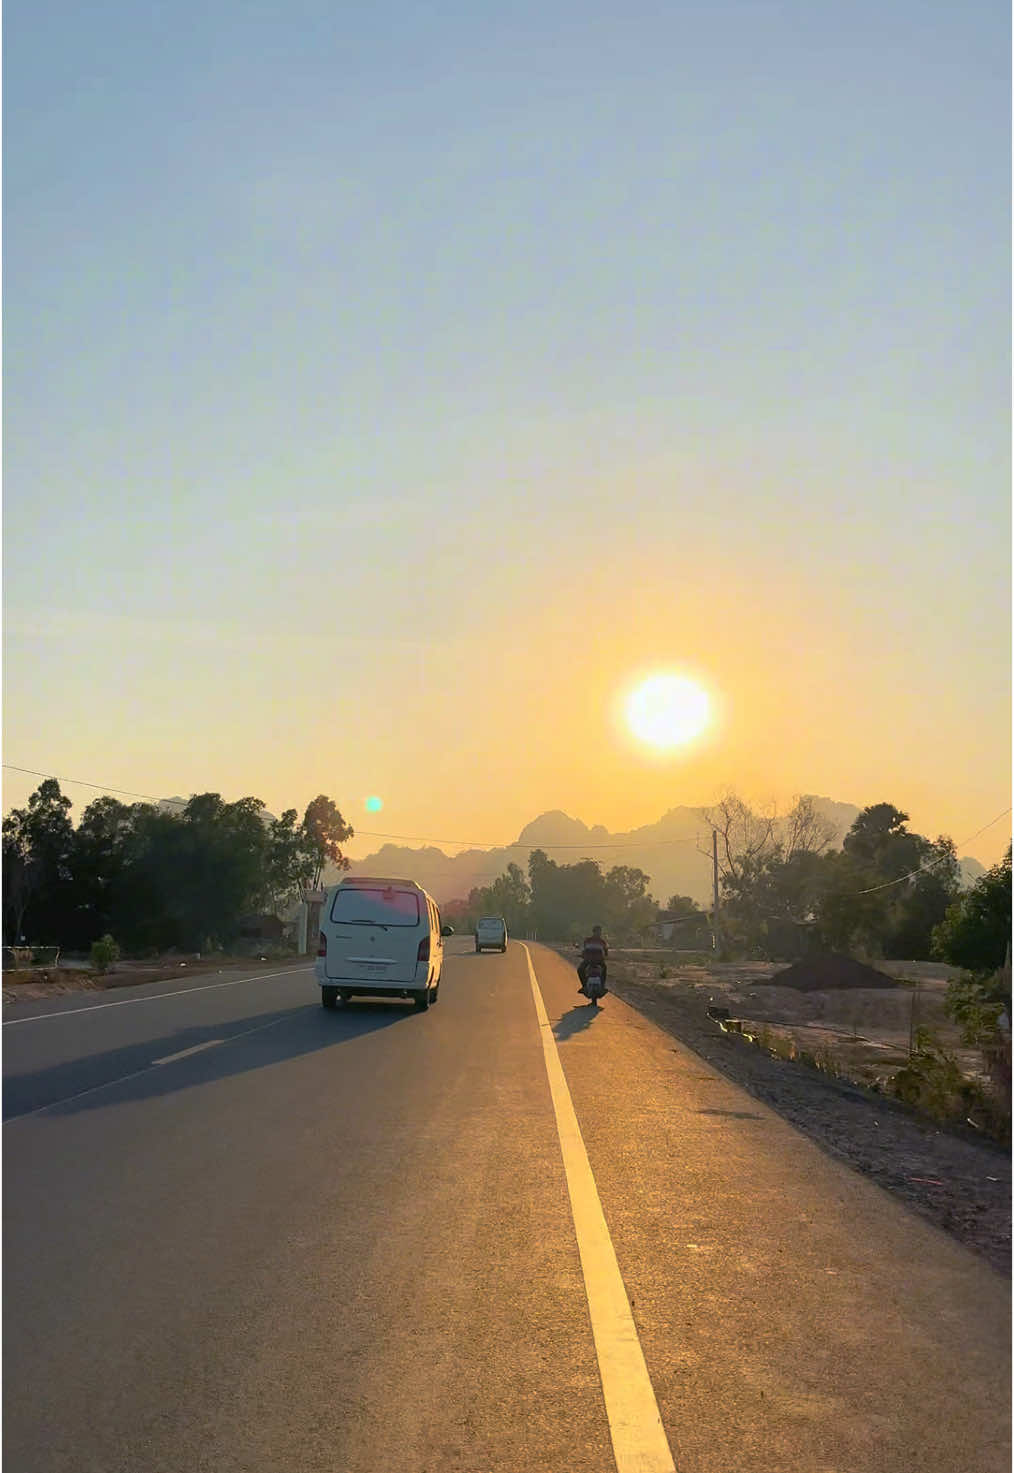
(422, 1001)
(329, 997)
(346, 996)
(435, 994)
(477, 950)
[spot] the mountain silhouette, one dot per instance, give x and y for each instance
(675, 851)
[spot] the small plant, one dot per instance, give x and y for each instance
(105, 953)
(825, 1061)
(932, 1081)
(663, 971)
(976, 1004)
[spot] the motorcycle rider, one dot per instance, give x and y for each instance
(595, 948)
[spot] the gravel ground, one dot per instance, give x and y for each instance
(960, 1181)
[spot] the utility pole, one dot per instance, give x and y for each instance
(714, 884)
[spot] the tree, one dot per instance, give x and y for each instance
(324, 831)
(200, 872)
(568, 899)
(99, 860)
(628, 907)
(744, 836)
(807, 831)
(157, 879)
(976, 929)
(879, 839)
(785, 889)
(920, 904)
(37, 843)
(888, 888)
(691, 925)
(770, 908)
(146, 911)
(20, 875)
(289, 866)
(508, 896)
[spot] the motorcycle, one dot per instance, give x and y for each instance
(594, 983)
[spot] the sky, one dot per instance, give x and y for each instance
(388, 388)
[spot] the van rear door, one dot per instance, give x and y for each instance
(374, 934)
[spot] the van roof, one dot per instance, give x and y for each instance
(384, 880)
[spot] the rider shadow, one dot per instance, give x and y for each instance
(581, 1016)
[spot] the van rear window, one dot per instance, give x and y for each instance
(361, 907)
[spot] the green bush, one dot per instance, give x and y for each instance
(975, 931)
(976, 1005)
(932, 1081)
(105, 953)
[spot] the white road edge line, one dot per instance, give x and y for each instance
(635, 1423)
(185, 1053)
(108, 1083)
(125, 1002)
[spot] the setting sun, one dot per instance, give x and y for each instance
(668, 711)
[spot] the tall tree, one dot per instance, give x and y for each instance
(629, 908)
(38, 841)
(976, 929)
(508, 896)
(880, 839)
(99, 860)
(324, 832)
(805, 830)
(744, 837)
(888, 888)
(289, 866)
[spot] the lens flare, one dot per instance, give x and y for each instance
(374, 804)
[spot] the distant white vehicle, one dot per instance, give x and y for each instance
(491, 932)
(380, 938)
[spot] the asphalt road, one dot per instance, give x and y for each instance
(243, 1233)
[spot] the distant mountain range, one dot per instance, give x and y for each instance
(675, 852)
(670, 851)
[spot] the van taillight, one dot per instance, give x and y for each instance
(423, 954)
(322, 945)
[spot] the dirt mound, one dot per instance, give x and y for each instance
(827, 972)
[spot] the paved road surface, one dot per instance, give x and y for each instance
(242, 1233)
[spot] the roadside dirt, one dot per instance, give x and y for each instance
(41, 982)
(958, 1179)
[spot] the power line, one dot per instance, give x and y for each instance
(923, 868)
(99, 787)
(361, 833)
(478, 844)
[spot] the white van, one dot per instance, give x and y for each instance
(380, 938)
(491, 931)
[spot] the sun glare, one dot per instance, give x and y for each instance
(668, 711)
